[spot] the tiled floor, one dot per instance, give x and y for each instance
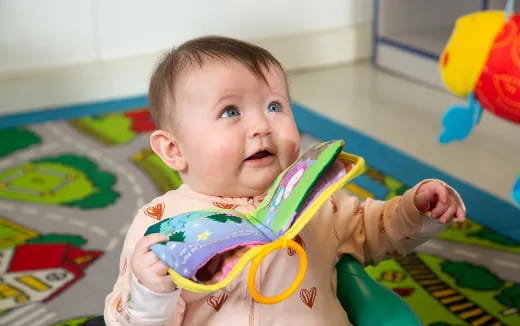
(406, 115)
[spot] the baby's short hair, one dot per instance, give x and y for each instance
(195, 52)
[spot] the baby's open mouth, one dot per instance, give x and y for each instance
(259, 155)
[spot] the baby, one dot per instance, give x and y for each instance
(224, 122)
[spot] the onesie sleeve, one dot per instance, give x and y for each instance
(374, 230)
(130, 303)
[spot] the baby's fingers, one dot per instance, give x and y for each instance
(461, 215)
(439, 209)
(144, 244)
(159, 268)
(448, 214)
(442, 192)
(167, 284)
(164, 280)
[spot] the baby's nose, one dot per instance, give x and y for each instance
(259, 127)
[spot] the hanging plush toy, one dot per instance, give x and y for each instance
(481, 62)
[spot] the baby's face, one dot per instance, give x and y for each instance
(236, 132)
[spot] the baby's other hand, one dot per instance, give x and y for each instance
(148, 269)
(443, 205)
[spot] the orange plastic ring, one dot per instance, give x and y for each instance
(278, 244)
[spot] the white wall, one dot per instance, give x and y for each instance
(36, 34)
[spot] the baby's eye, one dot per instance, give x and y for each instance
(230, 112)
(274, 107)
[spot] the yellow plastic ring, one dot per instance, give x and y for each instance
(278, 244)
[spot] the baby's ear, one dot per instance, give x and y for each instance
(166, 146)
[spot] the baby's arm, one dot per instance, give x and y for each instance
(143, 293)
(373, 230)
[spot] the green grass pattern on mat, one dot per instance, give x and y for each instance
(48, 183)
(65, 180)
(164, 178)
(12, 234)
(485, 299)
(472, 233)
(109, 129)
(102, 182)
(73, 322)
(426, 307)
(18, 138)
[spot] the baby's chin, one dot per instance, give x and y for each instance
(252, 183)
(234, 189)
(258, 187)
(249, 190)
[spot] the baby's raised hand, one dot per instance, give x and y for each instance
(443, 205)
(148, 269)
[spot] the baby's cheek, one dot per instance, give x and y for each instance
(226, 149)
(227, 153)
(222, 158)
(293, 142)
(292, 151)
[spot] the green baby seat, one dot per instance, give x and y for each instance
(367, 302)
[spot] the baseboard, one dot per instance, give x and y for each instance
(409, 64)
(321, 48)
(97, 81)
